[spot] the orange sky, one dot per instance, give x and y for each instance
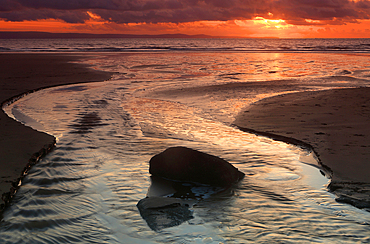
(314, 19)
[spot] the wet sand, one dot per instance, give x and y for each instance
(22, 73)
(334, 122)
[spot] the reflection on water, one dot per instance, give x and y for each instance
(88, 188)
(167, 204)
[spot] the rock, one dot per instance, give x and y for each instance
(181, 177)
(188, 165)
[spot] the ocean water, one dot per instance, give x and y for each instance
(361, 45)
(86, 190)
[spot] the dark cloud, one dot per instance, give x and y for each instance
(176, 11)
(328, 11)
(31, 14)
(9, 5)
(187, 13)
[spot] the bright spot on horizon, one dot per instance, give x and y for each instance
(272, 23)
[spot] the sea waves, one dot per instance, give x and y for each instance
(185, 45)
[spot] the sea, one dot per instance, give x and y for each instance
(177, 92)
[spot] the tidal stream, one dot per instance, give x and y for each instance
(86, 190)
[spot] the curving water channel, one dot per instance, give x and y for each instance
(86, 190)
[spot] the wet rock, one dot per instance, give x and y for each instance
(182, 177)
(188, 165)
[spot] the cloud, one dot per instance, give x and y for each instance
(30, 14)
(328, 11)
(179, 11)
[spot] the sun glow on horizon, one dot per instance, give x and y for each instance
(263, 27)
(245, 19)
(258, 27)
(274, 23)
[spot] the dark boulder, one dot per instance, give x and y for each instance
(188, 165)
(181, 177)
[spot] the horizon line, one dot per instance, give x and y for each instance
(77, 35)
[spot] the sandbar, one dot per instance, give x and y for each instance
(334, 122)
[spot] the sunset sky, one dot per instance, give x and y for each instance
(244, 18)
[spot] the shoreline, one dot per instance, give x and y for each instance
(325, 170)
(321, 120)
(333, 123)
(20, 146)
(295, 118)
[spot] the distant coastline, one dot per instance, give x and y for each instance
(49, 35)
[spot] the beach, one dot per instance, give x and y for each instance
(22, 73)
(88, 185)
(333, 122)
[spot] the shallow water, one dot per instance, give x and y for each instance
(87, 189)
